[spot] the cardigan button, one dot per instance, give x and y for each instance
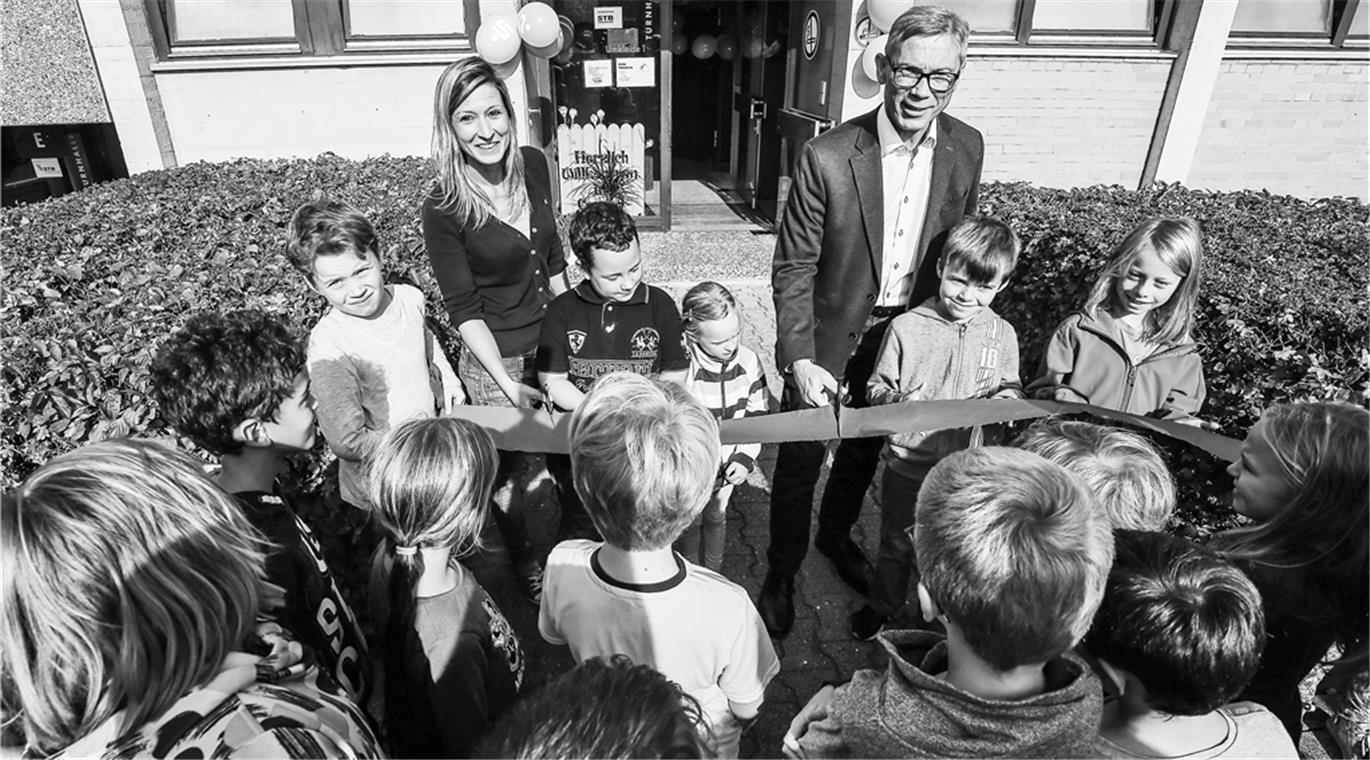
(851, 336)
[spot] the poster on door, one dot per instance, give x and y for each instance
(602, 162)
(607, 95)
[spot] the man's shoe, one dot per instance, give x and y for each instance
(776, 604)
(529, 577)
(866, 622)
(849, 561)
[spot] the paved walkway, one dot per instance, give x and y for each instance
(819, 648)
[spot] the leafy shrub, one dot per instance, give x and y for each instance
(97, 279)
(1282, 312)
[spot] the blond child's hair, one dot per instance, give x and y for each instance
(1012, 549)
(1179, 243)
(1121, 468)
(643, 454)
(430, 480)
(128, 577)
(705, 302)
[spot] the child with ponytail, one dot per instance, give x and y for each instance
(452, 661)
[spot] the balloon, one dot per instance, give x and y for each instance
(868, 65)
(497, 40)
(884, 12)
(538, 25)
(704, 46)
(677, 22)
(679, 43)
(753, 47)
(727, 47)
(507, 69)
(567, 49)
(548, 51)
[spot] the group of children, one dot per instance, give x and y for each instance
(1055, 618)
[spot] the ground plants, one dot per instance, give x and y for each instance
(96, 279)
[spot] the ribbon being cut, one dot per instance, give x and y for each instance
(538, 430)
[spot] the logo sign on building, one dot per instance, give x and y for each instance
(811, 31)
(866, 31)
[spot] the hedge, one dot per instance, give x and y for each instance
(97, 279)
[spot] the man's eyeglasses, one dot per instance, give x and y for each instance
(908, 77)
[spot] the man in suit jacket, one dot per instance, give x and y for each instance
(868, 212)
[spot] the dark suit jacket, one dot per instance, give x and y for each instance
(827, 264)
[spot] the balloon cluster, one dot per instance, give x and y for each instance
(547, 35)
(882, 14)
(726, 45)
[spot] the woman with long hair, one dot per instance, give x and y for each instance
(492, 238)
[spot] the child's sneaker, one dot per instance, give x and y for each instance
(529, 577)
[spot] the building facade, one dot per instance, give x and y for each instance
(1220, 94)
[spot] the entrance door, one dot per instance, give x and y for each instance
(760, 95)
(714, 45)
(813, 92)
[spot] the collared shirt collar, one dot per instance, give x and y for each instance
(889, 136)
(587, 292)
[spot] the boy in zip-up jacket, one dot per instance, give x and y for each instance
(727, 378)
(952, 346)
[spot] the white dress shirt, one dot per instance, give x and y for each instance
(906, 175)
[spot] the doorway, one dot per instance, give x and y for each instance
(715, 46)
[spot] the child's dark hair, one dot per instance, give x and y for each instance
(221, 369)
(600, 225)
(328, 228)
(430, 480)
(705, 301)
(1181, 619)
(604, 709)
(984, 247)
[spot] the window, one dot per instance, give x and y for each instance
(1059, 22)
(1299, 22)
(231, 28)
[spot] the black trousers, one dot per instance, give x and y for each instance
(797, 465)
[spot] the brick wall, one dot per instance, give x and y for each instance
(1062, 122)
(1291, 127)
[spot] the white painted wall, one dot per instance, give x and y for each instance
(355, 112)
(291, 113)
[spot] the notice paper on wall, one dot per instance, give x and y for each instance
(599, 73)
(635, 72)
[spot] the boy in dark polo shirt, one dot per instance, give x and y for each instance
(611, 322)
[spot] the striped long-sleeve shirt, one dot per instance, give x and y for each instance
(731, 391)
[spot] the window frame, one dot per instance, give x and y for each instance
(1339, 38)
(322, 30)
(1024, 36)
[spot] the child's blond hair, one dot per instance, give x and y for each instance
(1121, 468)
(1012, 549)
(1178, 242)
(115, 557)
(643, 454)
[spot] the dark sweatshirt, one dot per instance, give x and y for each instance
(907, 712)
